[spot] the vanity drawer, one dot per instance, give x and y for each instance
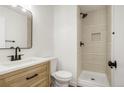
(31, 77)
(42, 83)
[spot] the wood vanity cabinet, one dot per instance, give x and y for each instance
(34, 76)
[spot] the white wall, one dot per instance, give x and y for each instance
(43, 30)
(2, 32)
(42, 34)
(117, 45)
(65, 37)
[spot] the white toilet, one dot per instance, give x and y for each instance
(61, 78)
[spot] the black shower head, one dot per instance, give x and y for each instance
(83, 15)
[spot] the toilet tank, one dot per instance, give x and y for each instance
(53, 65)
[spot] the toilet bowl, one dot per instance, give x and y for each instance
(62, 78)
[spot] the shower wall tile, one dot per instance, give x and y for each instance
(95, 17)
(94, 67)
(94, 59)
(94, 51)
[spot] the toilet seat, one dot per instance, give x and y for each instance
(63, 75)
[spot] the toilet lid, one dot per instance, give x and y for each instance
(63, 74)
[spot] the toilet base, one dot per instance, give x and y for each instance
(55, 83)
(61, 79)
(61, 84)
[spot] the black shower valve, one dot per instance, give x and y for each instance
(81, 44)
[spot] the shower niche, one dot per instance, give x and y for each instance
(96, 36)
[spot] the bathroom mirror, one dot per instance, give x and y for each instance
(15, 27)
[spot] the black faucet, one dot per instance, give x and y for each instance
(16, 56)
(16, 53)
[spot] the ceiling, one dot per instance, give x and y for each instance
(87, 8)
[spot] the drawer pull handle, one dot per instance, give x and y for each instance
(28, 78)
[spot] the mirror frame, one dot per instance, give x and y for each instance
(30, 25)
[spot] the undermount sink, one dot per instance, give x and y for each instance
(21, 62)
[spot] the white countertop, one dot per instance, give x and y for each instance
(14, 65)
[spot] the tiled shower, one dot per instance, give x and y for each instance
(93, 33)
